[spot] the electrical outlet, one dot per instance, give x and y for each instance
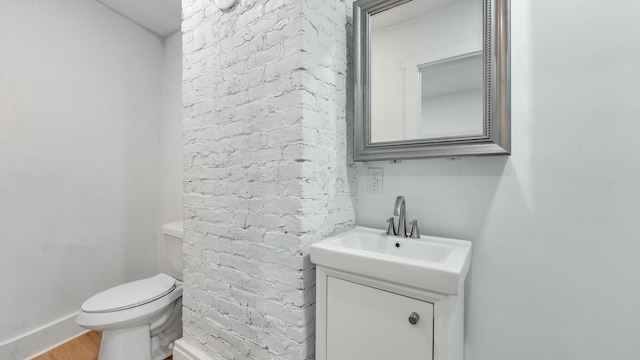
(374, 180)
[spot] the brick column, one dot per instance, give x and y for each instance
(267, 169)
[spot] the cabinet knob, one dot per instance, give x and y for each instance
(413, 318)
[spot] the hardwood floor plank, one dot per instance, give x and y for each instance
(84, 347)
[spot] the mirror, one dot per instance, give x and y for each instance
(431, 78)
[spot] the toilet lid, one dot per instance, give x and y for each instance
(131, 294)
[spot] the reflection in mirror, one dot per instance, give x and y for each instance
(415, 48)
(451, 94)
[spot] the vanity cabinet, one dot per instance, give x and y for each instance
(363, 318)
(368, 323)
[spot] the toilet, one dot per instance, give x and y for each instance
(141, 319)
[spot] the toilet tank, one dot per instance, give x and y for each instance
(172, 233)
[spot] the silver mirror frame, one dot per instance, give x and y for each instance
(496, 139)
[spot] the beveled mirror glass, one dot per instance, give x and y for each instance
(431, 78)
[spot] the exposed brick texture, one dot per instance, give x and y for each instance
(267, 169)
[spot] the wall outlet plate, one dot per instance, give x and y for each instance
(374, 180)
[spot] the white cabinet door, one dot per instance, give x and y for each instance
(365, 323)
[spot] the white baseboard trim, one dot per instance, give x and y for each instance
(42, 339)
(184, 351)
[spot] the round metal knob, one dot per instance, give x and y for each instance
(413, 318)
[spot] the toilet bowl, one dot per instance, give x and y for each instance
(141, 319)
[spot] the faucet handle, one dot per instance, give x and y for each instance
(415, 233)
(391, 229)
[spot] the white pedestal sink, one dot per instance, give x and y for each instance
(370, 287)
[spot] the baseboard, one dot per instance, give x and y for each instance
(184, 351)
(42, 339)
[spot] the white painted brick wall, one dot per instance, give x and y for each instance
(267, 169)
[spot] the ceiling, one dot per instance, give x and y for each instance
(162, 17)
(407, 11)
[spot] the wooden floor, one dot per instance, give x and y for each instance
(84, 347)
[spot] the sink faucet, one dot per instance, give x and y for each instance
(400, 210)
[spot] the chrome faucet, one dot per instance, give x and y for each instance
(400, 210)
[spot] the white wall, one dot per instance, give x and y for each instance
(555, 271)
(170, 179)
(79, 141)
(171, 131)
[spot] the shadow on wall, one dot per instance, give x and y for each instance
(309, 297)
(351, 166)
(339, 127)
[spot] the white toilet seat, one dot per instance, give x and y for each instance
(130, 295)
(136, 315)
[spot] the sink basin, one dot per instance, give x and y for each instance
(429, 263)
